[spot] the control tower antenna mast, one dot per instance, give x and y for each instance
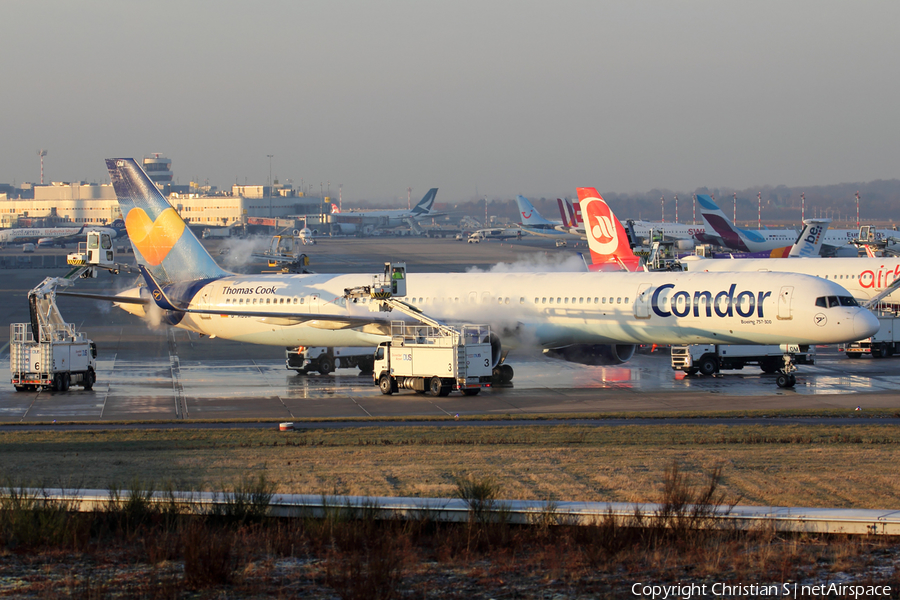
(42, 154)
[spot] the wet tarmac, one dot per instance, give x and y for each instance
(168, 374)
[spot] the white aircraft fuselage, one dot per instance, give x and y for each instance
(544, 309)
(864, 278)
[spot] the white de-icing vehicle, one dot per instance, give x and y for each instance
(549, 310)
(428, 355)
(49, 353)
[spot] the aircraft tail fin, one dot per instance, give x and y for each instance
(810, 241)
(162, 241)
(426, 203)
(119, 226)
(716, 222)
(564, 214)
(574, 213)
(607, 238)
(530, 215)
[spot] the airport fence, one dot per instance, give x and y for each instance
(746, 518)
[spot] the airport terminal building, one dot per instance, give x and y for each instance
(95, 204)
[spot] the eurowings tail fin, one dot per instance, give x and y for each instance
(607, 238)
(564, 214)
(717, 223)
(426, 203)
(530, 215)
(810, 241)
(162, 241)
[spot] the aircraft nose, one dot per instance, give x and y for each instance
(865, 324)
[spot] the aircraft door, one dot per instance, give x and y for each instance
(204, 303)
(473, 297)
(784, 303)
(642, 301)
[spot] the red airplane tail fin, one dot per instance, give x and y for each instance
(607, 239)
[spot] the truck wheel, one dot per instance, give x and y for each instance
(435, 386)
(325, 364)
(445, 391)
(21, 388)
(56, 386)
(769, 366)
(89, 379)
(384, 384)
(471, 392)
(367, 364)
(707, 365)
(691, 370)
(853, 355)
(66, 381)
(876, 352)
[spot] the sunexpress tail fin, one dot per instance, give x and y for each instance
(607, 238)
(163, 242)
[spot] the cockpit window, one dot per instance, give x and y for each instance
(832, 301)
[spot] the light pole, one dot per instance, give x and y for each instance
(270, 172)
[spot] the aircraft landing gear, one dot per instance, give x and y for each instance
(786, 378)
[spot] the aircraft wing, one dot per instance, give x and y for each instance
(554, 234)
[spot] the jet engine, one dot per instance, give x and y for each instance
(594, 354)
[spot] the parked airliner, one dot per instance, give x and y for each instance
(864, 278)
(721, 231)
(535, 224)
(395, 217)
(546, 309)
(60, 236)
(610, 250)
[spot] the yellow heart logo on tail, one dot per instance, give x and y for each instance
(154, 239)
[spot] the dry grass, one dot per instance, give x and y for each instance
(110, 554)
(798, 465)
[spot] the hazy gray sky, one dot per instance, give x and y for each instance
(504, 97)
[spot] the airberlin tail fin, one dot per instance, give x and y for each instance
(607, 239)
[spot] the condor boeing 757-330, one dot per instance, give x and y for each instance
(548, 309)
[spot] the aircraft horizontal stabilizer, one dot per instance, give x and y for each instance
(107, 297)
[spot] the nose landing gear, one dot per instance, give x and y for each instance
(786, 378)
